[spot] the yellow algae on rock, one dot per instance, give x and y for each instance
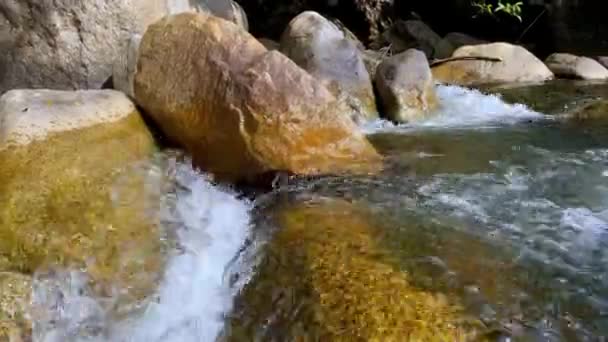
(76, 199)
(326, 277)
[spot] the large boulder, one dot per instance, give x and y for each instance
(453, 41)
(242, 111)
(405, 86)
(320, 47)
(515, 64)
(570, 66)
(409, 34)
(65, 44)
(72, 197)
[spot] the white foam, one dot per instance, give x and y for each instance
(211, 226)
(196, 294)
(463, 108)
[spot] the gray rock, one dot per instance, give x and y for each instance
(28, 115)
(320, 47)
(405, 86)
(572, 66)
(125, 66)
(516, 64)
(410, 34)
(67, 44)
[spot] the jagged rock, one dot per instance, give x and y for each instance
(242, 111)
(571, 66)
(64, 44)
(405, 86)
(320, 47)
(516, 65)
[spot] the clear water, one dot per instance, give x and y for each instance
(499, 205)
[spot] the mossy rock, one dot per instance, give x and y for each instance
(77, 199)
(325, 278)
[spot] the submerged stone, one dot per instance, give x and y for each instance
(326, 278)
(590, 110)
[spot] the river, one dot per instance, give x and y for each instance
(497, 205)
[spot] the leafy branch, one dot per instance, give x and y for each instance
(511, 8)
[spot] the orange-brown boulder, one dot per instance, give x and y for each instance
(239, 109)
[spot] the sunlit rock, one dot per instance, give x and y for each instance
(513, 64)
(240, 110)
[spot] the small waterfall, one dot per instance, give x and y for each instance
(463, 108)
(210, 225)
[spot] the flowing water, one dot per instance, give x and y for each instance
(496, 206)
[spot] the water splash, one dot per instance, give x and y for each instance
(196, 293)
(210, 225)
(463, 108)
(553, 204)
